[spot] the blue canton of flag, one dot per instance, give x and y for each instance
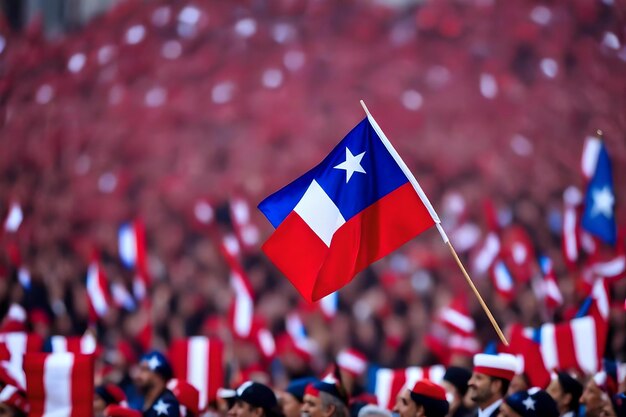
(599, 214)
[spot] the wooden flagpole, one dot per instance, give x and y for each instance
(435, 217)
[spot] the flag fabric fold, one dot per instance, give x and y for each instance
(198, 360)
(59, 384)
(358, 205)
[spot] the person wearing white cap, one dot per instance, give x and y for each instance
(490, 381)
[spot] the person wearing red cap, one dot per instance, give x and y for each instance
(324, 399)
(426, 399)
(490, 381)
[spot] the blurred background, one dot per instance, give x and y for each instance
(170, 111)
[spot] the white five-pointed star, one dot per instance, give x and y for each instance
(529, 403)
(153, 363)
(161, 408)
(352, 164)
(603, 201)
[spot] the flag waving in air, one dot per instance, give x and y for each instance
(599, 214)
(358, 205)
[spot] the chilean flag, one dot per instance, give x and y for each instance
(132, 251)
(97, 291)
(242, 307)
(59, 384)
(358, 205)
(550, 287)
(387, 383)
(599, 213)
(198, 360)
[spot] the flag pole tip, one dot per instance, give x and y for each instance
(364, 107)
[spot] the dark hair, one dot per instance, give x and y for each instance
(505, 384)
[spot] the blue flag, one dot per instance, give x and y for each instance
(599, 214)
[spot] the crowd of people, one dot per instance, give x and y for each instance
(484, 391)
(184, 115)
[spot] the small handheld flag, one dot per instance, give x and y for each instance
(358, 205)
(355, 207)
(599, 213)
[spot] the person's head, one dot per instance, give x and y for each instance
(531, 403)
(593, 398)
(519, 382)
(371, 410)
(291, 399)
(106, 395)
(152, 373)
(566, 391)
(455, 384)
(491, 377)
(322, 399)
(253, 399)
(13, 402)
(430, 399)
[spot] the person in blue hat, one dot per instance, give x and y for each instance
(151, 379)
(531, 403)
(291, 399)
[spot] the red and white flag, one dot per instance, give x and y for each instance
(329, 305)
(59, 384)
(132, 251)
(389, 382)
(97, 291)
(199, 361)
(242, 307)
(486, 254)
(503, 280)
(16, 345)
(247, 232)
(570, 244)
(457, 318)
(548, 288)
(464, 345)
(575, 344)
(518, 253)
(352, 361)
(85, 344)
(265, 341)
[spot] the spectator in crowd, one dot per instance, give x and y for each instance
(152, 375)
(531, 403)
(291, 399)
(253, 399)
(371, 410)
(596, 401)
(455, 382)
(426, 399)
(324, 399)
(13, 402)
(566, 391)
(490, 381)
(105, 395)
